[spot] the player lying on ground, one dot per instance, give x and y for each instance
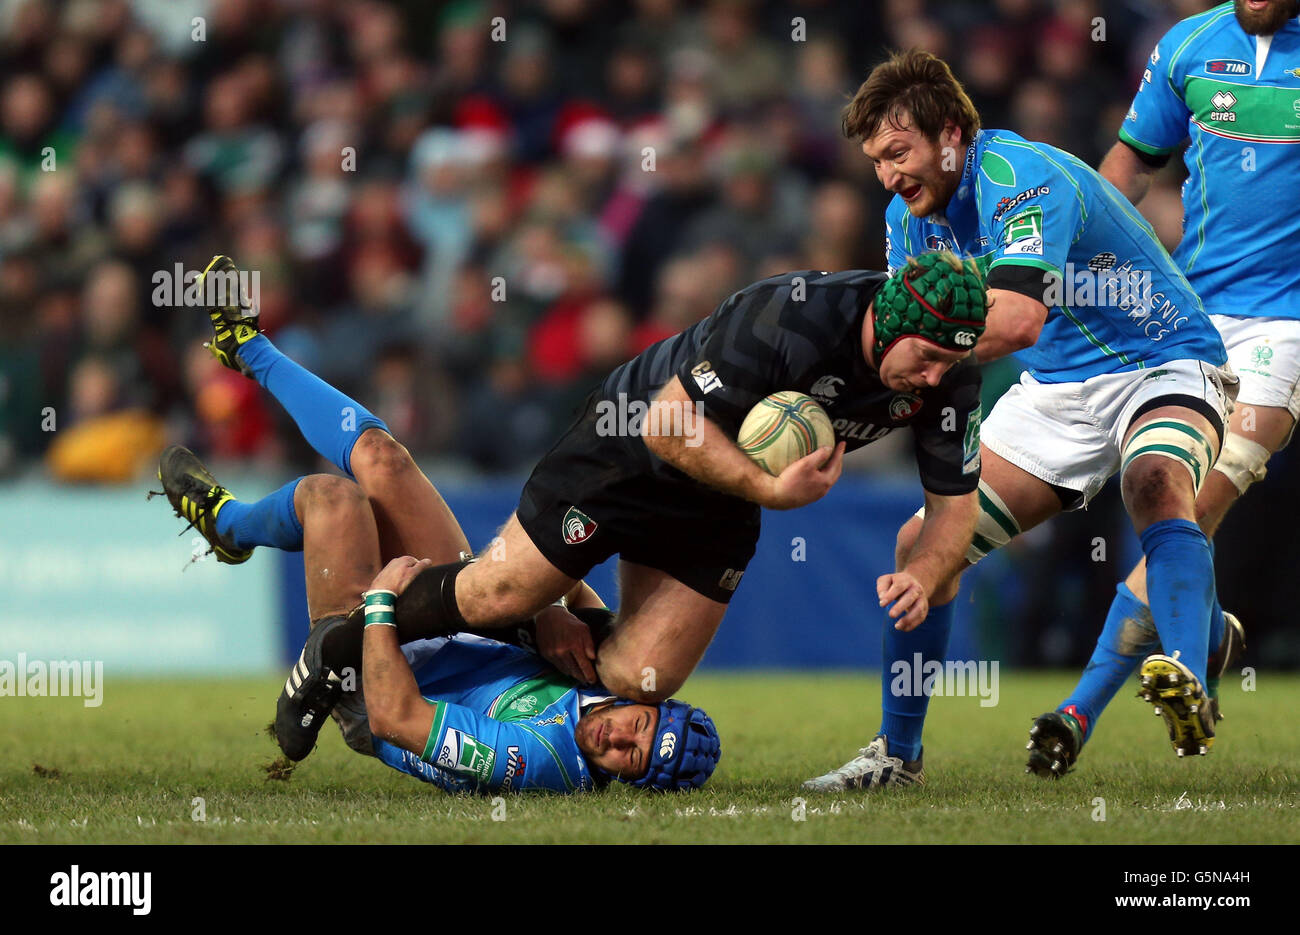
(483, 715)
(682, 512)
(1131, 377)
(1250, 211)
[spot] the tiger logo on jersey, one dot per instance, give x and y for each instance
(577, 526)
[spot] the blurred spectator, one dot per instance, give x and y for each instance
(463, 227)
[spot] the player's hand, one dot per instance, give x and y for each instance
(807, 479)
(911, 603)
(399, 573)
(565, 642)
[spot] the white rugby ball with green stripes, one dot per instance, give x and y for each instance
(784, 428)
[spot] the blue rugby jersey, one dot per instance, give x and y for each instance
(503, 721)
(1237, 98)
(1122, 302)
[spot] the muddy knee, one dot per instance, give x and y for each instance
(321, 492)
(377, 456)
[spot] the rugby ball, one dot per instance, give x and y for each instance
(783, 428)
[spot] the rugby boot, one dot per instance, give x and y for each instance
(872, 768)
(1178, 697)
(197, 498)
(234, 314)
(1055, 740)
(309, 696)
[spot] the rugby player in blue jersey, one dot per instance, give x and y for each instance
(1226, 81)
(464, 713)
(1125, 373)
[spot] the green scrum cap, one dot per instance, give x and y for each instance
(936, 297)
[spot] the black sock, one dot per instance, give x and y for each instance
(597, 619)
(427, 608)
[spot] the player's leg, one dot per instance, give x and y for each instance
(1168, 451)
(1255, 433)
(1012, 500)
(662, 631)
(340, 543)
(341, 557)
(1129, 634)
(412, 517)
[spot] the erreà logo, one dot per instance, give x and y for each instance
(667, 745)
(577, 526)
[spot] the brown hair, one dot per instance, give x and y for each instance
(918, 83)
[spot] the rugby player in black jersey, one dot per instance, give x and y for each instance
(679, 502)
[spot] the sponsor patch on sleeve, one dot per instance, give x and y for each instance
(705, 378)
(1024, 233)
(467, 755)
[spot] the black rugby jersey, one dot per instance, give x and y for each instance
(803, 331)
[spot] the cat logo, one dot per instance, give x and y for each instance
(730, 579)
(667, 745)
(705, 378)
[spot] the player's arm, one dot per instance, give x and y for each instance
(1130, 171)
(565, 641)
(1156, 124)
(707, 454)
(398, 712)
(1015, 319)
(938, 554)
(1031, 238)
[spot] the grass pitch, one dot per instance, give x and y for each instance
(159, 755)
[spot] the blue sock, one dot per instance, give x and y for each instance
(1216, 615)
(330, 421)
(1180, 589)
(1127, 638)
(270, 521)
(902, 706)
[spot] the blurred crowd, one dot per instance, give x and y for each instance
(463, 213)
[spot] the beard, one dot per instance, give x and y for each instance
(1267, 21)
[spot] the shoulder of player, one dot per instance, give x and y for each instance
(1011, 167)
(1187, 37)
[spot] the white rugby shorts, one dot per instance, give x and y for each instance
(1071, 434)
